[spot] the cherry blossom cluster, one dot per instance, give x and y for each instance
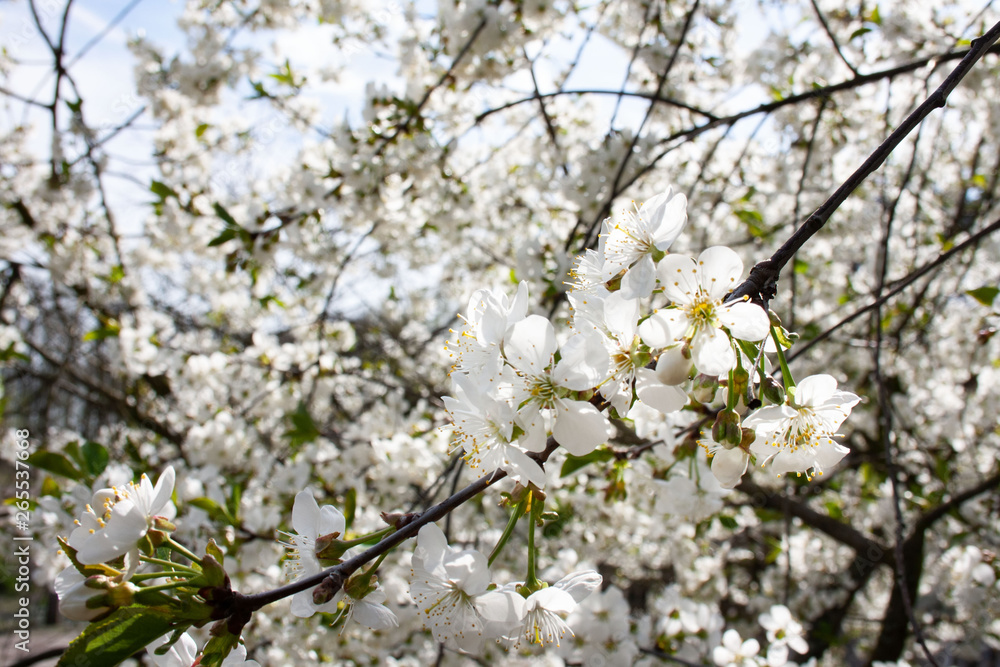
(648, 327)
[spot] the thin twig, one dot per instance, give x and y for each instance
(899, 286)
(763, 279)
(833, 38)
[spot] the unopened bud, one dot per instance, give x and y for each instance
(325, 591)
(398, 519)
(749, 435)
(726, 429)
(773, 391)
(674, 365)
(161, 523)
(360, 585)
(705, 387)
(329, 549)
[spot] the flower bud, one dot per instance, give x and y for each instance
(773, 391)
(674, 365)
(329, 549)
(325, 591)
(704, 388)
(360, 585)
(726, 429)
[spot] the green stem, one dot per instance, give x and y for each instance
(786, 374)
(168, 563)
(731, 394)
(508, 531)
(364, 539)
(370, 571)
(181, 549)
(142, 576)
(165, 587)
(531, 583)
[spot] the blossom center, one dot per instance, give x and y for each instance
(701, 311)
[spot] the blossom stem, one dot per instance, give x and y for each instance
(168, 564)
(159, 588)
(375, 566)
(531, 583)
(516, 514)
(142, 576)
(731, 394)
(370, 537)
(181, 549)
(786, 373)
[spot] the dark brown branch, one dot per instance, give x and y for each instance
(653, 97)
(899, 286)
(340, 573)
(842, 532)
(833, 38)
(763, 280)
(892, 637)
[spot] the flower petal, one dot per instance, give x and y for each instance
(815, 389)
(663, 328)
(719, 269)
(712, 352)
(640, 279)
(580, 584)
(163, 491)
(530, 344)
(584, 362)
(667, 214)
(305, 514)
(374, 616)
(580, 427)
(663, 397)
(679, 276)
(746, 321)
(728, 466)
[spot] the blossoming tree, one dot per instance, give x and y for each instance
(476, 371)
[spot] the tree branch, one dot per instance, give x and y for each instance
(763, 279)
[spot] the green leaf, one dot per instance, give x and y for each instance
(161, 190)
(216, 512)
(120, 635)
(95, 458)
(984, 295)
(574, 463)
(224, 214)
(860, 31)
(108, 329)
(57, 464)
(303, 427)
(350, 506)
(800, 267)
(226, 235)
(116, 274)
(10, 353)
(200, 130)
(753, 220)
(783, 337)
(728, 522)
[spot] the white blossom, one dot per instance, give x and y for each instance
(310, 521)
(798, 436)
(126, 515)
(698, 315)
(451, 589)
(637, 235)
